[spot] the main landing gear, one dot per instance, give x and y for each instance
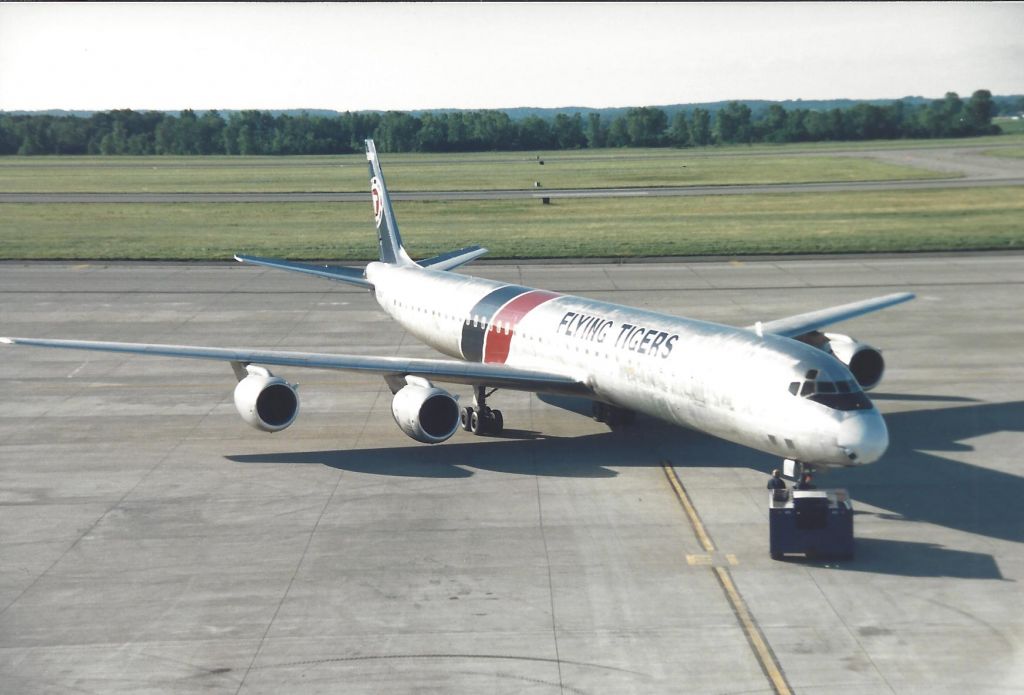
(478, 418)
(612, 415)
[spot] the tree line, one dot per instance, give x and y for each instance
(125, 131)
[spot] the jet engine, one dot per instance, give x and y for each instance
(864, 361)
(424, 412)
(265, 401)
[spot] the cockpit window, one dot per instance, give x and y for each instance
(838, 395)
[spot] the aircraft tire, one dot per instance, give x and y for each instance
(465, 415)
(476, 423)
(497, 422)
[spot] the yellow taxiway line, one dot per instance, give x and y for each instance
(765, 657)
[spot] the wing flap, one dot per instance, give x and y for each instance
(792, 326)
(449, 371)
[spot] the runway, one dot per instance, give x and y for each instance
(967, 167)
(150, 541)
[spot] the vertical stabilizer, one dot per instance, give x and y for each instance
(389, 240)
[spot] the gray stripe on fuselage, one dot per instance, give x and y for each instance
(472, 343)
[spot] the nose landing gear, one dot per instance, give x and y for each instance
(794, 470)
(478, 418)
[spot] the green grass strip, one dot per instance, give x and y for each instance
(503, 171)
(884, 221)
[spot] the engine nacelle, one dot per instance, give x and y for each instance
(864, 362)
(265, 401)
(424, 412)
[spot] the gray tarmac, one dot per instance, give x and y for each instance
(967, 167)
(151, 542)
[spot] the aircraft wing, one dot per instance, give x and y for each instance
(792, 326)
(353, 276)
(449, 371)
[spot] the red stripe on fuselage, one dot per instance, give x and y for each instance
(498, 340)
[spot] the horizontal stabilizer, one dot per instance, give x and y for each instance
(453, 259)
(353, 276)
(793, 326)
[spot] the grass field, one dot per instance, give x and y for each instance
(981, 218)
(1007, 152)
(1010, 126)
(437, 172)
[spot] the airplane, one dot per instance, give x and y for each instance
(783, 387)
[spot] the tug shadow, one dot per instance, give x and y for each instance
(917, 559)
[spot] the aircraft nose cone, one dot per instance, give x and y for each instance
(865, 436)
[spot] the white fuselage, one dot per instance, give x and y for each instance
(726, 381)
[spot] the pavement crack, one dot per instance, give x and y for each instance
(551, 586)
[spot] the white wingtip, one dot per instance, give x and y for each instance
(7, 341)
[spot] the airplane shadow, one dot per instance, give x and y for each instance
(913, 482)
(910, 397)
(916, 482)
(578, 457)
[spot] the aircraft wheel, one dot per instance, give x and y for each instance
(465, 415)
(497, 421)
(476, 423)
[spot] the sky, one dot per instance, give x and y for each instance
(355, 56)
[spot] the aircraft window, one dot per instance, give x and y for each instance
(843, 386)
(808, 388)
(794, 387)
(811, 374)
(826, 387)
